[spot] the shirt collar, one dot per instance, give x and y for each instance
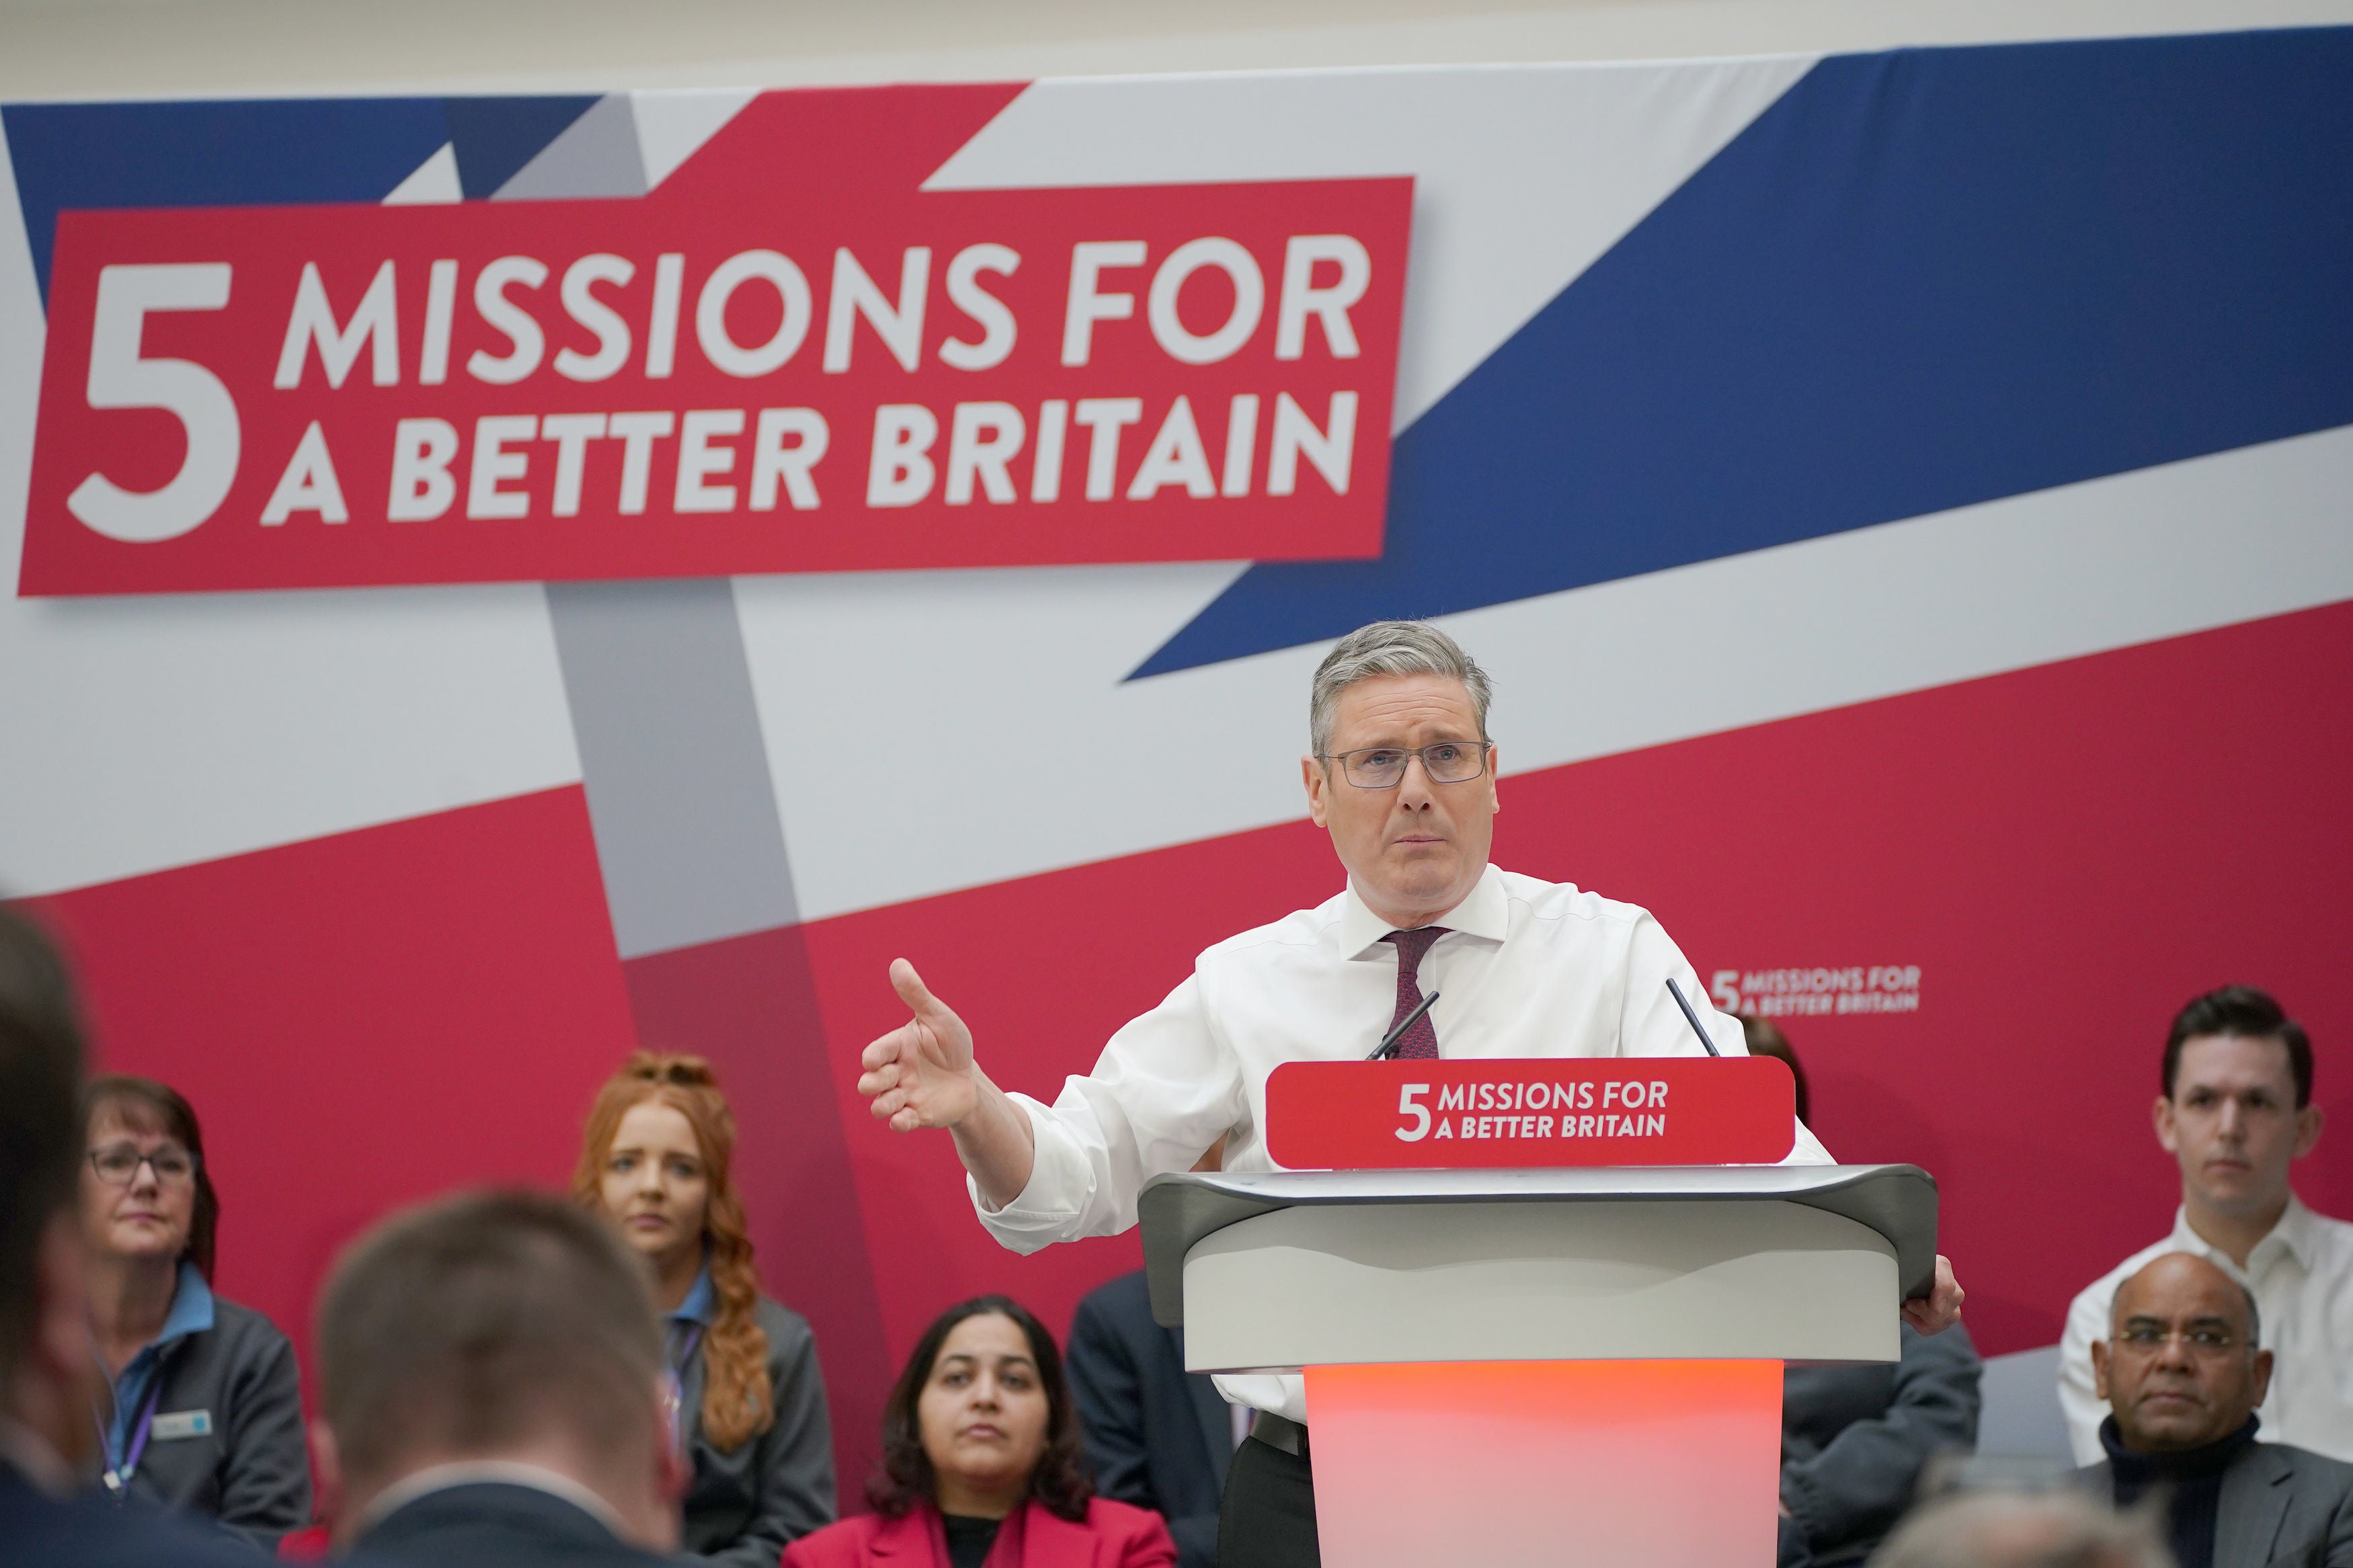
(477, 1472)
(192, 1305)
(1486, 913)
(700, 1300)
(2292, 1233)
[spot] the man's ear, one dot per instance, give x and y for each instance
(1312, 775)
(2161, 1113)
(2099, 1370)
(327, 1479)
(2263, 1381)
(2308, 1122)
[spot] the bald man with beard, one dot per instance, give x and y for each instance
(2182, 1369)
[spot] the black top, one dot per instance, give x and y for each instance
(2193, 1482)
(969, 1539)
(745, 1505)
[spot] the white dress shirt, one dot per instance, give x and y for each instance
(2302, 1278)
(1526, 969)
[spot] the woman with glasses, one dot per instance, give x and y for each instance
(751, 1413)
(206, 1412)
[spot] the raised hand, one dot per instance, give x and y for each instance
(921, 1074)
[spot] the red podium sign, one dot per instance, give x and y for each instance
(1515, 1111)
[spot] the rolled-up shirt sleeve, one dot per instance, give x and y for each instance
(1652, 1026)
(1165, 1088)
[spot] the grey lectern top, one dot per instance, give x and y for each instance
(1276, 1270)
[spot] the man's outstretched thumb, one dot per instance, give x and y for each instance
(911, 988)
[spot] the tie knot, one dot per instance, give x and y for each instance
(1413, 945)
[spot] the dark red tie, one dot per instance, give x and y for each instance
(1422, 1040)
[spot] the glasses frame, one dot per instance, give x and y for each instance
(196, 1164)
(1413, 754)
(2231, 1344)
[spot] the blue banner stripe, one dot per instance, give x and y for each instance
(1920, 279)
(182, 154)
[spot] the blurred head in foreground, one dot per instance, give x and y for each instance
(505, 1326)
(2018, 1529)
(48, 1377)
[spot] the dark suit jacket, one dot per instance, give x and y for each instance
(1855, 1439)
(1113, 1536)
(2281, 1508)
(492, 1524)
(1157, 1436)
(38, 1532)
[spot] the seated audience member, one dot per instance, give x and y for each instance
(655, 1158)
(1854, 1439)
(2182, 1372)
(207, 1412)
(981, 1463)
(1155, 1434)
(48, 1380)
(2022, 1530)
(492, 1392)
(2236, 1108)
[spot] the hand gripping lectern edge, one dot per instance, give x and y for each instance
(1541, 1365)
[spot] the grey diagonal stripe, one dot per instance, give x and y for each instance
(679, 794)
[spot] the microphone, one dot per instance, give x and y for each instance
(1691, 1018)
(1389, 1047)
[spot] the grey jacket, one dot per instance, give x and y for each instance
(2281, 1508)
(251, 1470)
(1853, 1439)
(744, 1507)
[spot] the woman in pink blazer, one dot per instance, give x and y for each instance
(981, 1466)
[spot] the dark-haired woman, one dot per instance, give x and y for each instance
(206, 1407)
(981, 1466)
(656, 1158)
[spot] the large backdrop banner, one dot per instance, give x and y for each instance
(497, 581)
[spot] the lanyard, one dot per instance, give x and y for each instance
(686, 1352)
(676, 1396)
(118, 1474)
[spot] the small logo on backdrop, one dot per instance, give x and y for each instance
(1818, 993)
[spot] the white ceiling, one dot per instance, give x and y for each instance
(82, 48)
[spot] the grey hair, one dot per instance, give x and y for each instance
(1390, 647)
(2015, 1530)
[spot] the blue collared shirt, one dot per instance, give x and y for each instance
(695, 1312)
(191, 1313)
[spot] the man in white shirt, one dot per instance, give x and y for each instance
(1402, 774)
(2235, 1111)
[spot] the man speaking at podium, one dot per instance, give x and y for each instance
(1402, 774)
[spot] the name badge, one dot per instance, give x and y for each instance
(178, 1424)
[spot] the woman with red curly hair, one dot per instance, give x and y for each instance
(655, 1158)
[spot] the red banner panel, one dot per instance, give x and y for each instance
(1530, 1112)
(763, 366)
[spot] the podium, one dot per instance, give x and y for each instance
(1541, 1366)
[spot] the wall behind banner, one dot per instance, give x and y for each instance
(1905, 566)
